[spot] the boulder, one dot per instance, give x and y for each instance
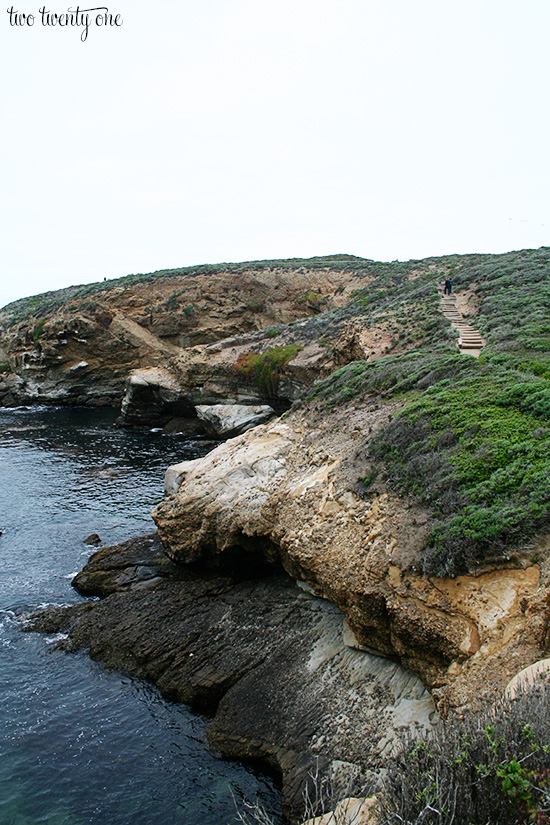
(229, 420)
(153, 397)
(93, 539)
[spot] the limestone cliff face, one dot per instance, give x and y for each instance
(288, 490)
(80, 345)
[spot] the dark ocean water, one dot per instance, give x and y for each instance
(78, 744)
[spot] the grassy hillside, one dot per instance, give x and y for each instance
(472, 441)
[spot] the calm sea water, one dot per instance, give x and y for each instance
(79, 744)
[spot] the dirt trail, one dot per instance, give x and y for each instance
(470, 341)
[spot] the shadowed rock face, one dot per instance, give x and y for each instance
(264, 658)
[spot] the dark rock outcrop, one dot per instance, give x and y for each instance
(262, 656)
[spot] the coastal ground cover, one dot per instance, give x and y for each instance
(472, 440)
(47, 303)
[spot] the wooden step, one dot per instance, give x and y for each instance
(469, 339)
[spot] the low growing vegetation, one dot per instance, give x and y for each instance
(477, 451)
(472, 440)
(38, 330)
(491, 768)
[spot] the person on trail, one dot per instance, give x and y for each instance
(448, 286)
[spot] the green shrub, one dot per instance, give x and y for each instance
(474, 451)
(392, 375)
(256, 306)
(38, 331)
(313, 300)
(265, 368)
(171, 304)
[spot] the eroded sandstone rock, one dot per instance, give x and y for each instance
(153, 397)
(351, 811)
(117, 327)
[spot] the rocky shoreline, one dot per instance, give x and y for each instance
(297, 676)
(281, 600)
(262, 656)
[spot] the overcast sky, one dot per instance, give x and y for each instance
(228, 130)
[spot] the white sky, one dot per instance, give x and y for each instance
(228, 130)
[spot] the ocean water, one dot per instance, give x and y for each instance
(79, 744)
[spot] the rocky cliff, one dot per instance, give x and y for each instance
(80, 345)
(265, 658)
(292, 493)
(255, 333)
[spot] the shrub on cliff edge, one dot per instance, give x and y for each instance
(264, 368)
(488, 769)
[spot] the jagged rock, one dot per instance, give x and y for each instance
(357, 343)
(117, 327)
(229, 420)
(153, 397)
(266, 659)
(112, 569)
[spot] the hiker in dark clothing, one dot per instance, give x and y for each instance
(448, 286)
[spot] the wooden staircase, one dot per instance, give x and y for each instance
(470, 340)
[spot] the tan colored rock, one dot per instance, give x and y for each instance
(175, 476)
(229, 420)
(356, 343)
(123, 325)
(351, 811)
(529, 677)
